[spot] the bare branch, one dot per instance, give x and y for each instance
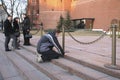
(17, 7)
(4, 7)
(13, 7)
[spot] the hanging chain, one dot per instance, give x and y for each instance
(87, 43)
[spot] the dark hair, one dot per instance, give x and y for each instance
(9, 16)
(25, 14)
(16, 18)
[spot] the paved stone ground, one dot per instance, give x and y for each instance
(98, 50)
(98, 53)
(102, 47)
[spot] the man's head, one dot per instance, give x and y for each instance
(54, 32)
(24, 15)
(16, 19)
(57, 32)
(9, 17)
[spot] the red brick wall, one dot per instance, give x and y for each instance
(33, 10)
(50, 11)
(102, 10)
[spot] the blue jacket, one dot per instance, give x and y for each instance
(47, 42)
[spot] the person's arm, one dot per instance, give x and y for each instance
(6, 30)
(26, 24)
(54, 40)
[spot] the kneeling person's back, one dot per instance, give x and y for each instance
(46, 44)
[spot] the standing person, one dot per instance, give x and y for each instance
(46, 44)
(26, 29)
(9, 33)
(16, 31)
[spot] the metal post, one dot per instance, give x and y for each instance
(114, 28)
(63, 37)
(41, 30)
(113, 61)
(119, 30)
(110, 33)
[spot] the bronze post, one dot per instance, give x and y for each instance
(41, 29)
(114, 28)
(113, 60)
(63, 37)
(119, 30)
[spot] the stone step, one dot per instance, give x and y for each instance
(97, 64)
(51, 70)
(81, 70)
(7, 70)
(94, 65)
(29, 71)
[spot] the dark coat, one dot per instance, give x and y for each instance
(8, 30)
(16, 26)
(26, 23)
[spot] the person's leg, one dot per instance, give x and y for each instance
(53, 54)
(28, 41)
(24, 33)
(14, 43)
(18, 38)
(18, 42)
(45, 57)
(7, 40)
(49, 55)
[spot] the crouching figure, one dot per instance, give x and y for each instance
(45, 47)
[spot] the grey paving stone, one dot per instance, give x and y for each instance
(53, 71)
(7, 69)
(78, 69)
(27, 69)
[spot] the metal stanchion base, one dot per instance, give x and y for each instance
(116, 67)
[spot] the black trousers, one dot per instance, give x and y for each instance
(49, 55)
(7, 40)
(26, 40)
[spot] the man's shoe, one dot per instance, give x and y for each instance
(39, 60)
(7, 50)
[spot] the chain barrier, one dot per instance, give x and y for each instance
(87, 43)
(38, 29)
